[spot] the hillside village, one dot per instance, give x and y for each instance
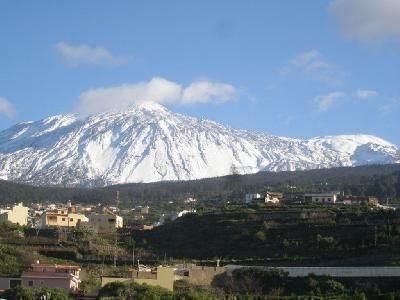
(106, 219)
(56, 227)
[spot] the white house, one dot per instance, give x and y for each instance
(322, 198)
(273, 197)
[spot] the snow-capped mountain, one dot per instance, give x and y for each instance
(150, 143)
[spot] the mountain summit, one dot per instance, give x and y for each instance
(150, 143)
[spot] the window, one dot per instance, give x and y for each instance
(111, 220)
(63, 219)
(14, 283)
(30, 283)
(71, 220)
(61, 270)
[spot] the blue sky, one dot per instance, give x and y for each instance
(291, 68)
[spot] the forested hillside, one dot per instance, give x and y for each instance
(380, 180)
(292, 235)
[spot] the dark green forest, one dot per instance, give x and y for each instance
(382, 181)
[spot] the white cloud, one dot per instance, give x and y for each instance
(205, 91)
(313, 64)
(74, 55)
(325, 102)
(367, 20)
(391, 106)
(365, 94)
(6, 108)
(157, 90)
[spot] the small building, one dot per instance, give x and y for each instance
(105, 222)
(52, 276)
(322, 198)
(357, 200)
(181, 213)
(142, 227)
(190, 200)
(18, 214)
(198, 275)
(61, 218)
(273, 197)
(162, 276)
(145, 210)
(253, 197)
(9, 283)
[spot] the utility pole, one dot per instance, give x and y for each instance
(116, 231)
(115, 248)
(133, 255)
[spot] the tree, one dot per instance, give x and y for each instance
(260, 235)
(332, 287)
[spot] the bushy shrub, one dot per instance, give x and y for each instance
(24, 293)
(132, 290)
(9, 263)
(254, 281)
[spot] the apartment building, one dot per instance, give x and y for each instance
(61, 218)
(105, 222)
(18, 214)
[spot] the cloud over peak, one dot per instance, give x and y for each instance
(325, 102)
(206, 91)
(157, 90)
(6, 108)
(312, 64)
(75, 55)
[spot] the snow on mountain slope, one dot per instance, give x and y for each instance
(149, 143)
